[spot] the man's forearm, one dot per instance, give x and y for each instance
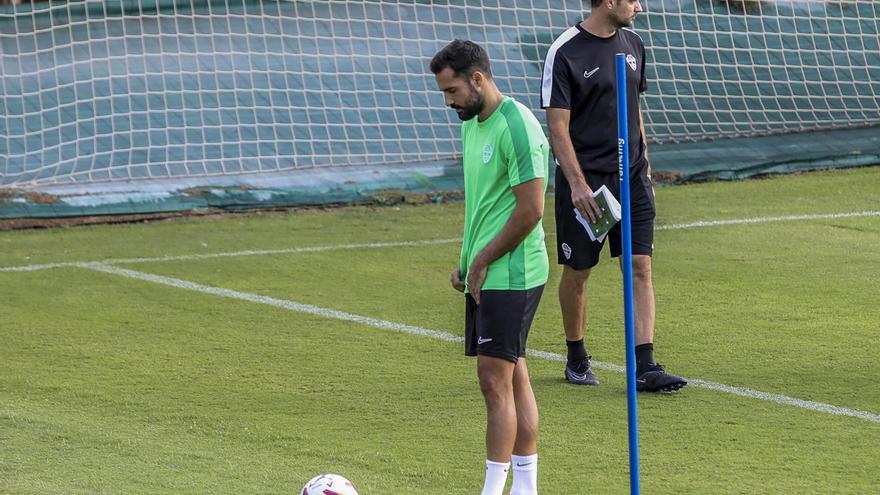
(517, 228)
(563, 150)
(522, 221)
(558, 122)
(644, 141)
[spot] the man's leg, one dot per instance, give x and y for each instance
(644, 311)
(525, 449)
(496, 383)
(572, 301)
(650, 376)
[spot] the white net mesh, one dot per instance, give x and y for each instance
(162, 89)
(753, 68)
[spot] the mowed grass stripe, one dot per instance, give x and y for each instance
(383, 324)
(417, 243)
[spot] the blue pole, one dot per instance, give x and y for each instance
(626, 240)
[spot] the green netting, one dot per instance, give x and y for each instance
(386, 185)
(746, 157)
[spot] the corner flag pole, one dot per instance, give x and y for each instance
(626, 240)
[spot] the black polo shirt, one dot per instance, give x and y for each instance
(579, 75)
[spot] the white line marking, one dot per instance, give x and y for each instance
(448, 337)
(311, 249)
(741, 391)
(792, 218)
(33, 268)
(375, 245)
(185, 257)
(271, 301)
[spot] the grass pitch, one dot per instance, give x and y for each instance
(115, 384)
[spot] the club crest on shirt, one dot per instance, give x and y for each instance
(631, 61)
(487, 153)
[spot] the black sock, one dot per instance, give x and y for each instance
(576, 351)
(644, 357)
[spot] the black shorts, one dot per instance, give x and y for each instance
(574, 247)
(499, 325)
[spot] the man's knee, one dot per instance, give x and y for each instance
(642, 267)
(496, 386)
(570, 275)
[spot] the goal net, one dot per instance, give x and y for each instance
(102, 92)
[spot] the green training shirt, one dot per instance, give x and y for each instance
(507, 149)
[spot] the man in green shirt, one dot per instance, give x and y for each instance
(503, 266)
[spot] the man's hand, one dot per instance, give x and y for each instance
(582, 198)
(457, 282)
(558, 121)
(476, 276)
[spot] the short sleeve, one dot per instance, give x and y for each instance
(556, 87)
(525, 153)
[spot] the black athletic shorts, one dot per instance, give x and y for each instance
(574, 247)
(499, 325)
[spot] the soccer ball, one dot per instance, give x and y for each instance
(329, 484)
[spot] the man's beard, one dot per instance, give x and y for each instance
(623, 22)
(473, 107)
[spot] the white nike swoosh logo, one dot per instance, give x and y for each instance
(481, 340)
(588, 73)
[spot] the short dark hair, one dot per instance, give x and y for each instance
(596, 3)
(464, 57)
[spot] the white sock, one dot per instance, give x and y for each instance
(496, 477)
(525, 475)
